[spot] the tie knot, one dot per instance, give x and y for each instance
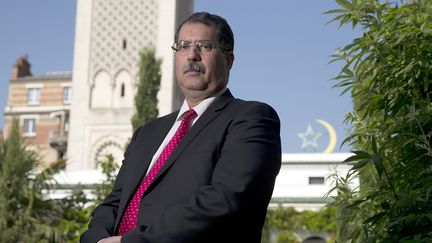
(190, 115)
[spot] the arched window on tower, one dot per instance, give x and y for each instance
(123, 90)
(101, 91)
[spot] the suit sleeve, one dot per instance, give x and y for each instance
(104, 216)
(241, 185)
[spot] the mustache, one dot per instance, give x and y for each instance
(193, 66)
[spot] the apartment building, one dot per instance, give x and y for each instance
(41, 104)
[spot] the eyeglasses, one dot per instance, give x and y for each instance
(204, 47)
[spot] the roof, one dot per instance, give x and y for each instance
(314, 158)
(67, 75)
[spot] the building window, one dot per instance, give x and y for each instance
(124, 44)
(316, 180)
(67, 95)
(33, 96)
(29, 127)
(122, 90)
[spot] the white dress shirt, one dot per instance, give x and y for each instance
(199, 109)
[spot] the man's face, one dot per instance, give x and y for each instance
(198, 83)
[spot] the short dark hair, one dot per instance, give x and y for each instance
(225, 36)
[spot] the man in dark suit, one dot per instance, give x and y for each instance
(215, 183)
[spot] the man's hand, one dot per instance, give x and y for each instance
(112, 239)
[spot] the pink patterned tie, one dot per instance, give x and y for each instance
(129, 219)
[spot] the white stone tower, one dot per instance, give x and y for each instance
(109, 36)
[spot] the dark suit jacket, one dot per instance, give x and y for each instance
(215, 186)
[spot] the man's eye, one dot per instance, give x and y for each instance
(206, 46)
(183, 46)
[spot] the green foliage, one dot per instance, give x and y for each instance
(148, 88)
(78, 207)
(287, 236)
(25, 215)
(75, 214)
(286, 221)
(388, 72)
(109, 169)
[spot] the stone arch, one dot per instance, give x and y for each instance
(101, 90)
(314, 239)
(123, 96)
(110, 144)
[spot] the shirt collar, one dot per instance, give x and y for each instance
(201, 107)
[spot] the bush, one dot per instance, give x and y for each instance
(388, 72)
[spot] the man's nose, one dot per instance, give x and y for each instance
(194, 53)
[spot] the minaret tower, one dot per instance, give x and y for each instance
(108, 39)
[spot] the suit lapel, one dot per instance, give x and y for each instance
(140, 162)
(208, 116)
(144, 154)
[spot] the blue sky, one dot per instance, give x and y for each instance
(282, 50)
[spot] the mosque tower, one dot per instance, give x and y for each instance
(109, 36)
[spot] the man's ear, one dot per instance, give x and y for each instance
(230, 59)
